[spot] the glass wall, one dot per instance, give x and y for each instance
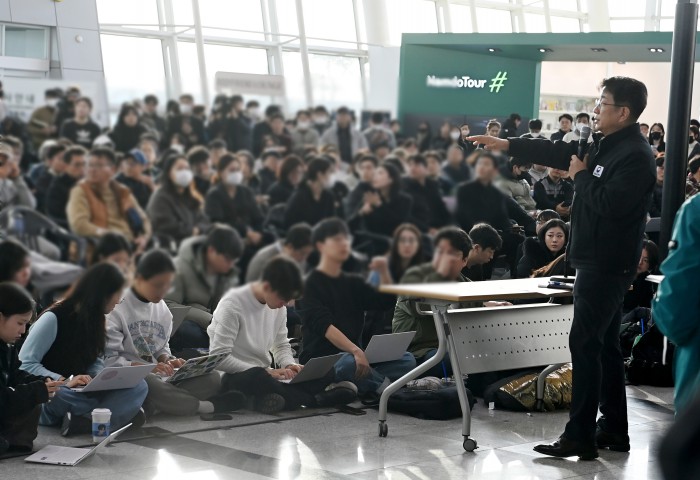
(331, 36)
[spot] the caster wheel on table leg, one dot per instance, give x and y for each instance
(383, 429)
(469, 444)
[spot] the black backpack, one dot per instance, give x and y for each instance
(652, 360)
(441, 404)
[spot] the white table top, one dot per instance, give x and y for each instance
(518, 289)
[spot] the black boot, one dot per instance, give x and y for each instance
(617, 442)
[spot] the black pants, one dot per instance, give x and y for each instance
(257, 382)
(21, 430)
(598, 366)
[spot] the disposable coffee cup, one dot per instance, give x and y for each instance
(100, 424)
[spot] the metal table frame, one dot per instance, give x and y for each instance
(446, 343)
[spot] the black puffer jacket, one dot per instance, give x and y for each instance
(19, 391)
(611, 199)
(535, 255)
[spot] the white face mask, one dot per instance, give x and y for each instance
(185, 109)
(330, 181)
(253, 112)
(303, 125)
(535, 134)
(51, 102)
(455, 135)
(320, 120)
(178, 148)
(579, 126)
(234, 178)
(183, 178)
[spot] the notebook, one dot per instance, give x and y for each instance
(70, 456)
(196, 367)
(115, 378)
(314, 369)
(387, 348)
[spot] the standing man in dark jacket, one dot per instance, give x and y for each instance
(428, 211)
(613, 185)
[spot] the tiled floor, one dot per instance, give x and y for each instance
(341, 446)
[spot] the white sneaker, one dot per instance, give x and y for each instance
(425, 383)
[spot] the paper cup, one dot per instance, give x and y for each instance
(100, 424)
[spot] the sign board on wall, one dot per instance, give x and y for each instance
(444, 81)
(24, 95)
(250, 83)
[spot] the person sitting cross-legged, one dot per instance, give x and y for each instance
(251, 323)
(453, 248)
(332, 312)
(138, 330)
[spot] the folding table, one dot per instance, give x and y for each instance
(488, 339)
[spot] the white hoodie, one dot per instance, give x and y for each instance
(137, 331)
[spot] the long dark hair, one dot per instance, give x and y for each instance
(12, 257)
(126, 109)
(395, 176)
(554, 223)
(191, 196)
(397, 269)
(85, 305)
(14, 300)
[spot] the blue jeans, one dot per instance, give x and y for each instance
(124, 404)
(345, 370)
(441, 370)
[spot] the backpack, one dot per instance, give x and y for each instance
(441, 404)
(518, 392)
(652, 360)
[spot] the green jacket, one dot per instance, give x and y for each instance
(191, 286)
(677, 303)
(406, 319)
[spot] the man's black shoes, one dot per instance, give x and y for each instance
(617, 442)
(564, 447)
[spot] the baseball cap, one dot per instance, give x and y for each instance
(138, 156)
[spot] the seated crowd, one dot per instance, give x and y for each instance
(265, 231)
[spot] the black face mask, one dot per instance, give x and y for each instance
(691, 139)
(655, 136)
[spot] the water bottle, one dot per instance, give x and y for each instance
(374, 279)
(18, 223)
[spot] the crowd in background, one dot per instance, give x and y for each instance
(188, 205)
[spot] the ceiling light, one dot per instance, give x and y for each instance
(599, 50)
(656, 50)
(494, 50)
(546, 50)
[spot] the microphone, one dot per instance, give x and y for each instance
(583, 142)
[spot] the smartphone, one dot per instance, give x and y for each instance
(213, 417)
(352, 410)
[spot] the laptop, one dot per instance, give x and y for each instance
(179, 313)
(115, 378)
(70, 456)
(387, 348)
(196, 367)
(314, 369)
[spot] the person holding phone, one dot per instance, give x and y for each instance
(614, 183)
(21, 394)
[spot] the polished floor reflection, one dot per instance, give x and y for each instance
(332, 445)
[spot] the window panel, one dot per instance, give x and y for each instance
(571, 5)
(287, 17)
(627, 25)
(627, 8)
(182, 11)
(336, 81)
(132, 76)
(25, 42)
(329, 19)
(493, 21)
(565, 25)
(189, 70)
(294, 81)
(233, 59)
(410, 16)
(461, 17)
(128, 12)
(668, 8)
(236, 15)
(535, 23)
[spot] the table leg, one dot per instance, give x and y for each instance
(541, 383)
(439, 313)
